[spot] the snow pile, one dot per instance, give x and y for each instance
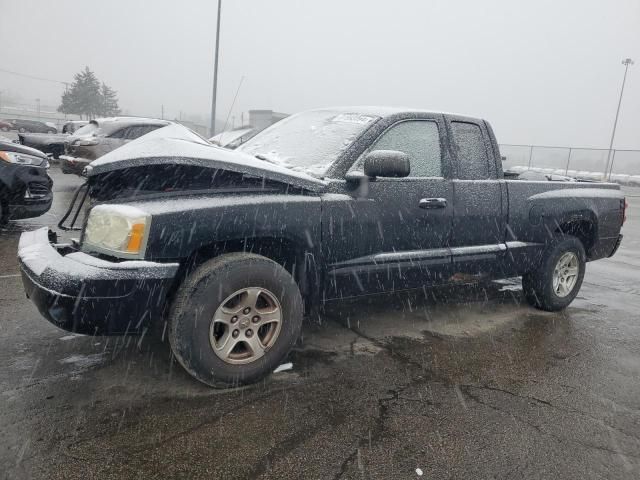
(623, 179)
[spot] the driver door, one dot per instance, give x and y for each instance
(389, 234)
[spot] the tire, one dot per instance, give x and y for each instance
(21, 130)
(201, 297)
(50, 132)
(538, 286)
(5, 129)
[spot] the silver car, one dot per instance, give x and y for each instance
(101, 136)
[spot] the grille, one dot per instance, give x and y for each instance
(38, 189)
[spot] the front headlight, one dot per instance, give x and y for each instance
(86, 142)
(21, 158)
(118, 230)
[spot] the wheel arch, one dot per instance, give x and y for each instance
(582, 225)
(293, 254)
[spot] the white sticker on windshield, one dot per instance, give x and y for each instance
(353, 118)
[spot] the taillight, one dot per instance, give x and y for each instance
(624, 210)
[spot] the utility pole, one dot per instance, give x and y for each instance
(38, 103)
(162, 111)
(212, 128)
(626, 62)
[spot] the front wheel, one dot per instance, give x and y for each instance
(555, 284)
(235, 319)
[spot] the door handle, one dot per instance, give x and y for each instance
(428, 203)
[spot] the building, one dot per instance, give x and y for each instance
(261, 119)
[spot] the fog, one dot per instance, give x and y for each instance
(543, 72)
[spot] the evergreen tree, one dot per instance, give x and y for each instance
(109, 101)
(88, 97)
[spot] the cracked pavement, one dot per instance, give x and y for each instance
(467, 382)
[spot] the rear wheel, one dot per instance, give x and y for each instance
(234, 319)
(555, 284)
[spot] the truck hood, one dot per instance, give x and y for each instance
(177, 145)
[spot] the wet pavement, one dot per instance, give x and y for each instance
(461, 383)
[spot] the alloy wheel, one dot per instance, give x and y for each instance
(245, 325)
(565, 274)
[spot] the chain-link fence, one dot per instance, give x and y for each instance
(588, 162)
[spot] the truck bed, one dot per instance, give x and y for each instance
(538, 209)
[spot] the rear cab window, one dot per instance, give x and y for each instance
(469, 145)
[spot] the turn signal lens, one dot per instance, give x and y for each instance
(135, 238)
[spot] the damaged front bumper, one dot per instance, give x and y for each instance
(73, 165)
(84, 294)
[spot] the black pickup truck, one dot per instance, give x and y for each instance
(226, 250)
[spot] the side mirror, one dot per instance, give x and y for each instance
(387, 163)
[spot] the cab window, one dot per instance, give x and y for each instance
(419, 139)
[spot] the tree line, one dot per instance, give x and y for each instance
(89, 97)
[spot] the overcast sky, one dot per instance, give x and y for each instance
(542, 72)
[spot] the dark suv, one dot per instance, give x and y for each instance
(25, 186)
(101, 136)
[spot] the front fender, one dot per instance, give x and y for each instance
(181, 226)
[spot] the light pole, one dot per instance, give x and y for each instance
(626, 62)
(212, 128)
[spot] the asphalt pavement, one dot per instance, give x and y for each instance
(467, 382)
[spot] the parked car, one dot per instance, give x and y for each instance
(25, 186)
(48, 143)
(33, 126)
(101, 136)
(229, 248)
(234, 138)
(52, 144)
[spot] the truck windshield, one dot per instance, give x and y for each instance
(309, 141)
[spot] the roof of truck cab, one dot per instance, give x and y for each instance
(386, 111)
